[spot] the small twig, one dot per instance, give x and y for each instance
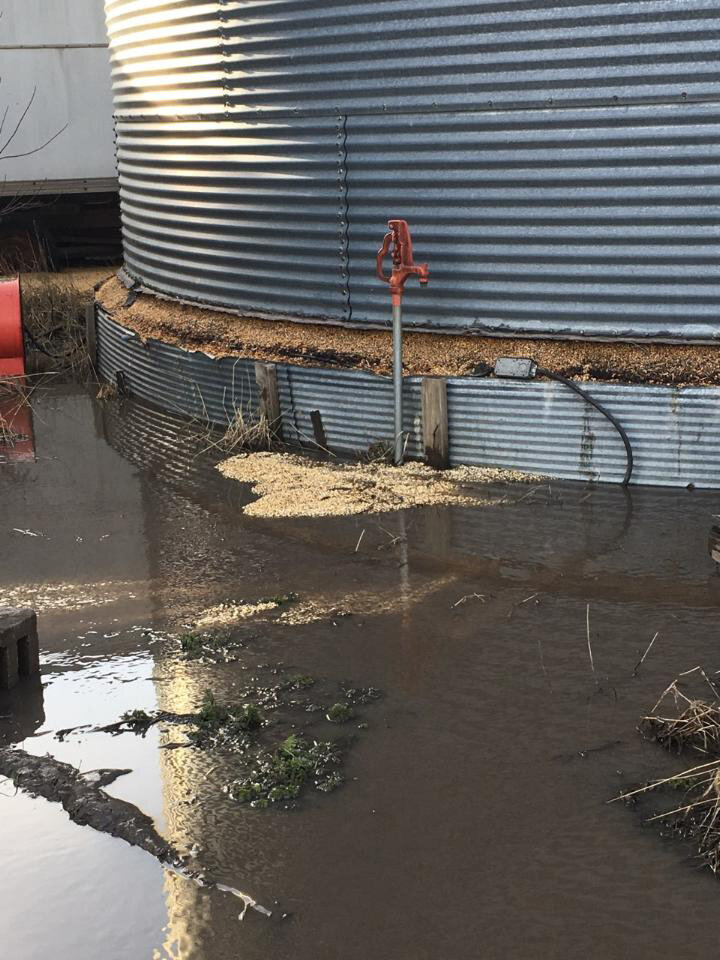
(469, 596)
(527, 599)
(686, 774)
(357, 545)
(642, 658)
(589, 645)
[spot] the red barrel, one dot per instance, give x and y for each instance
(12, 350)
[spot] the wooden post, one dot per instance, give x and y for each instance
(91, 333)
(319, 430)
(266, 379)
(435, 422)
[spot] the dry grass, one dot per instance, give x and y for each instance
(106, 391)
(696, 727)
(686, 723)
(15, 394)
(243, 434)
(54, 318)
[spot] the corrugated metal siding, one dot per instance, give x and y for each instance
(184, 383)
(593, 223)
(310, 57)
(356, 407)
(167, 57)
(246, 215)
(533, 426)
(558, 163)
(544, 428)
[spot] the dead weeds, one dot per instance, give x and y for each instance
(681, 723)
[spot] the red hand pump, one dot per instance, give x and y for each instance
(403, 267)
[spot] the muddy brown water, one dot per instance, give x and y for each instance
(473, 821)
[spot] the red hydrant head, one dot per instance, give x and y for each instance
(402, 258)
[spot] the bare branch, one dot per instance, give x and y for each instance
(29, 153)
(25, 112)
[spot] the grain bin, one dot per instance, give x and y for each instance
(559, 165)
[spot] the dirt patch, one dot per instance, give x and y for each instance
(277, 340)
(292, 486)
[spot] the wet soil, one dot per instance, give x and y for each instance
(472, 820)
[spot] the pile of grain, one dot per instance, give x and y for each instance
(225, 614)
(292, 486)
(279, 340)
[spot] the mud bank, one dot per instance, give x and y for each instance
(84, 800)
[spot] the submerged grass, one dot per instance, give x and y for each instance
(283, 772)
(217, 725)
(15, 396)
(216, 646)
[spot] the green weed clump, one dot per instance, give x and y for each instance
(339, 713)
(211, 715)
(299, 682)
(282, 773)
(214, 646)
(191, 645)
(216, 725)
(249, 719)
(281, 600)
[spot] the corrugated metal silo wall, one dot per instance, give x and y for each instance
(560, 165)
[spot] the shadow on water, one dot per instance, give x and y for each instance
(473, 821)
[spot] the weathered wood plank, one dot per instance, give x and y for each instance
(266, 379)
(436, 440)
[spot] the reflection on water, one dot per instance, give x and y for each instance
(68, 891)
(473, 822)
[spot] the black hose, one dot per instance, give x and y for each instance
(598, 406)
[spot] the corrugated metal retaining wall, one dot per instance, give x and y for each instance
(560, 164)
(534, 426)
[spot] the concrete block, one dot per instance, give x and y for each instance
(19, 647)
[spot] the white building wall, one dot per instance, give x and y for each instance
(54, 63)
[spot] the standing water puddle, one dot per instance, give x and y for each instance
(473, 819)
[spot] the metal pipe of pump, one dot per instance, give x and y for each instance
(404, 266)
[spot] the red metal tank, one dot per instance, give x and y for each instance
(12, 350)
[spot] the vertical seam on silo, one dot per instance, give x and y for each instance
(224, 59)
(344, 213)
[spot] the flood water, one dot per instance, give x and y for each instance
(474, 819)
